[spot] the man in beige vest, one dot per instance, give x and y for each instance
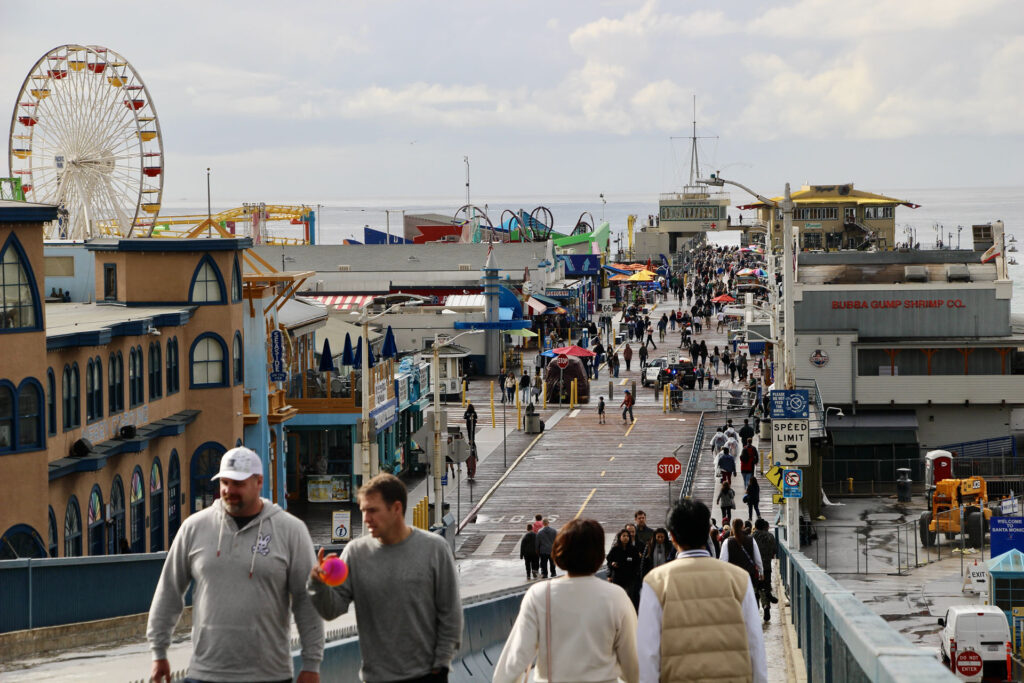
(698, 618)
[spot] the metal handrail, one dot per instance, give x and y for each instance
(691, 464)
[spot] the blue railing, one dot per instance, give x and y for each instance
(691, 464)
(35, 593)
(841, 638)
(985, 448)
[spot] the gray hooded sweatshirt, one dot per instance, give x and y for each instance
(246, 580)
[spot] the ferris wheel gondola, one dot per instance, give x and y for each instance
(85, 136)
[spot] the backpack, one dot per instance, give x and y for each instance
(745, 559)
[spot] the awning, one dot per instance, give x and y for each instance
(536, 304)
(873, 428)
(546, 300)
(344, 302)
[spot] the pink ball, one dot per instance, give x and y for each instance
(333, 571)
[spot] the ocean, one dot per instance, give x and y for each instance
(944, 214)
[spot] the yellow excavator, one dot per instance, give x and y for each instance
(947, 498)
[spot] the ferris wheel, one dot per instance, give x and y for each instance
(85, 137)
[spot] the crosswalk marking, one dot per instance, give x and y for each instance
(574, 413)
(489, 544)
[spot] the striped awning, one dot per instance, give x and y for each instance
(344, 302)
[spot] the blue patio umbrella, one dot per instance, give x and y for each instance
(358, 360)
(326, 359)
(346, 352)
(390, 349)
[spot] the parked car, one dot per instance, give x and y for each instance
(981, 628)
(683, 367)
(652, 370)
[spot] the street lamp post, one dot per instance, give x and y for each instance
(438, 462)
(789, 332)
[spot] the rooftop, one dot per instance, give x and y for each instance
(836, 194)
(81, 324)
(887, 267)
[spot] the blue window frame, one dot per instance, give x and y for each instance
(20, 541)
(20, 310)
(52, 535)
(156, 507)
(7, 412)
(173, 374)
(72, 398)
(205, 463)
(173, 496)
(208, 361)
(72, 529)
(96, 522)
(207, 285)
(94, 390)
(51, 403)
(136, 384)
(236, 282)
(137, 499)
(30, 415)
(155, 371)
(116, 516)
(237, 362)
(115, 383)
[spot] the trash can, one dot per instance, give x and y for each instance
(903, 485)
(766, 429)
(533, 424)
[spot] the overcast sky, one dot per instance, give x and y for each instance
(336, 100)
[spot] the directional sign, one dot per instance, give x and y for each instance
(790, 404)
(669, 468)
(562, 361)
(792, 484)
(791, 442)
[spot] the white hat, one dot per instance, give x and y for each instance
(239, 464)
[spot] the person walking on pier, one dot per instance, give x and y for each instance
(379, 565)
(748, 459)
(470, 417)
(576, 628)
(768, 547)
(678, 642)
(524, 388)
(600, 411)
(247, 561)
(726, 501)
(545, 542)
(752, 497)
(627, 355)
(627, 407)
(643, 357)
(528, 552)
(624, 565)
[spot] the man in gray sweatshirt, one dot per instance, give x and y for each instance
(249, 560)
(404, 586)
(545, 542)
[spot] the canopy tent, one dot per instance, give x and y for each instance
(723, 298)
(573, 350)
(521, 333)
(641, 276)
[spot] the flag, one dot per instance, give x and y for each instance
(991, 253)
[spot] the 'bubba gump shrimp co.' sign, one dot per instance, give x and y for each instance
(898, 304)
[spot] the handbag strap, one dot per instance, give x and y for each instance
(547, 630)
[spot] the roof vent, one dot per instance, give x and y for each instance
(915, 273)
(344, 268)
(465, 266)
(958, 272)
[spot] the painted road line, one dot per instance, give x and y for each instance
(489, 544)
(574, 413)
(613, 457)
(602, 473)
(623, 382)
(631, 425)
(582, 507)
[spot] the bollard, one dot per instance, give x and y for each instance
(493, 424)
(664, 401)
(544, 394)
(519, 412)
(633, 389)
(463, 393)
(611, 390)
(850, 482)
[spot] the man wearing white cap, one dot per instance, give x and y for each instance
(249, 560)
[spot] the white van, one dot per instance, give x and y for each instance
(981, 628)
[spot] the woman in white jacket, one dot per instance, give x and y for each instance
(577, 627)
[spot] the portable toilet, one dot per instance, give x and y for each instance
(1006, 587)
(938, 465)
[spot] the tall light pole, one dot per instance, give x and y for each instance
(789, 324)
(370, 466)
(438, 462)
(603, 203)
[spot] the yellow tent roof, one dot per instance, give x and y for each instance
(642, 276)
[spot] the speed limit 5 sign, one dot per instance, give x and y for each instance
(791, 442)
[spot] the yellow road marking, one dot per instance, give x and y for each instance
(631, 425)
(602, 473)
(622, 382)
(592, 492)
(613, 457)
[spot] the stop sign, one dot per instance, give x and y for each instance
(968, 663)
(562, 361)
(669, 468)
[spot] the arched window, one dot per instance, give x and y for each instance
(90, 387)
(97, 388)
(207, 283)
(30, 415)
(115, 383)
(205, 464)
(21, 541)
(140, 382)
(138, 505)
(19, 300)
(173, 497)
(72, 529)
(96, 522)
(236, 358)
(135, 382)
(155, 371)
(156, 507)
(72, 397)
(51, 403)
(236, 282)
(52, 535)
(116, 516)
(172, 366)
(6, 418)
(208, 361)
